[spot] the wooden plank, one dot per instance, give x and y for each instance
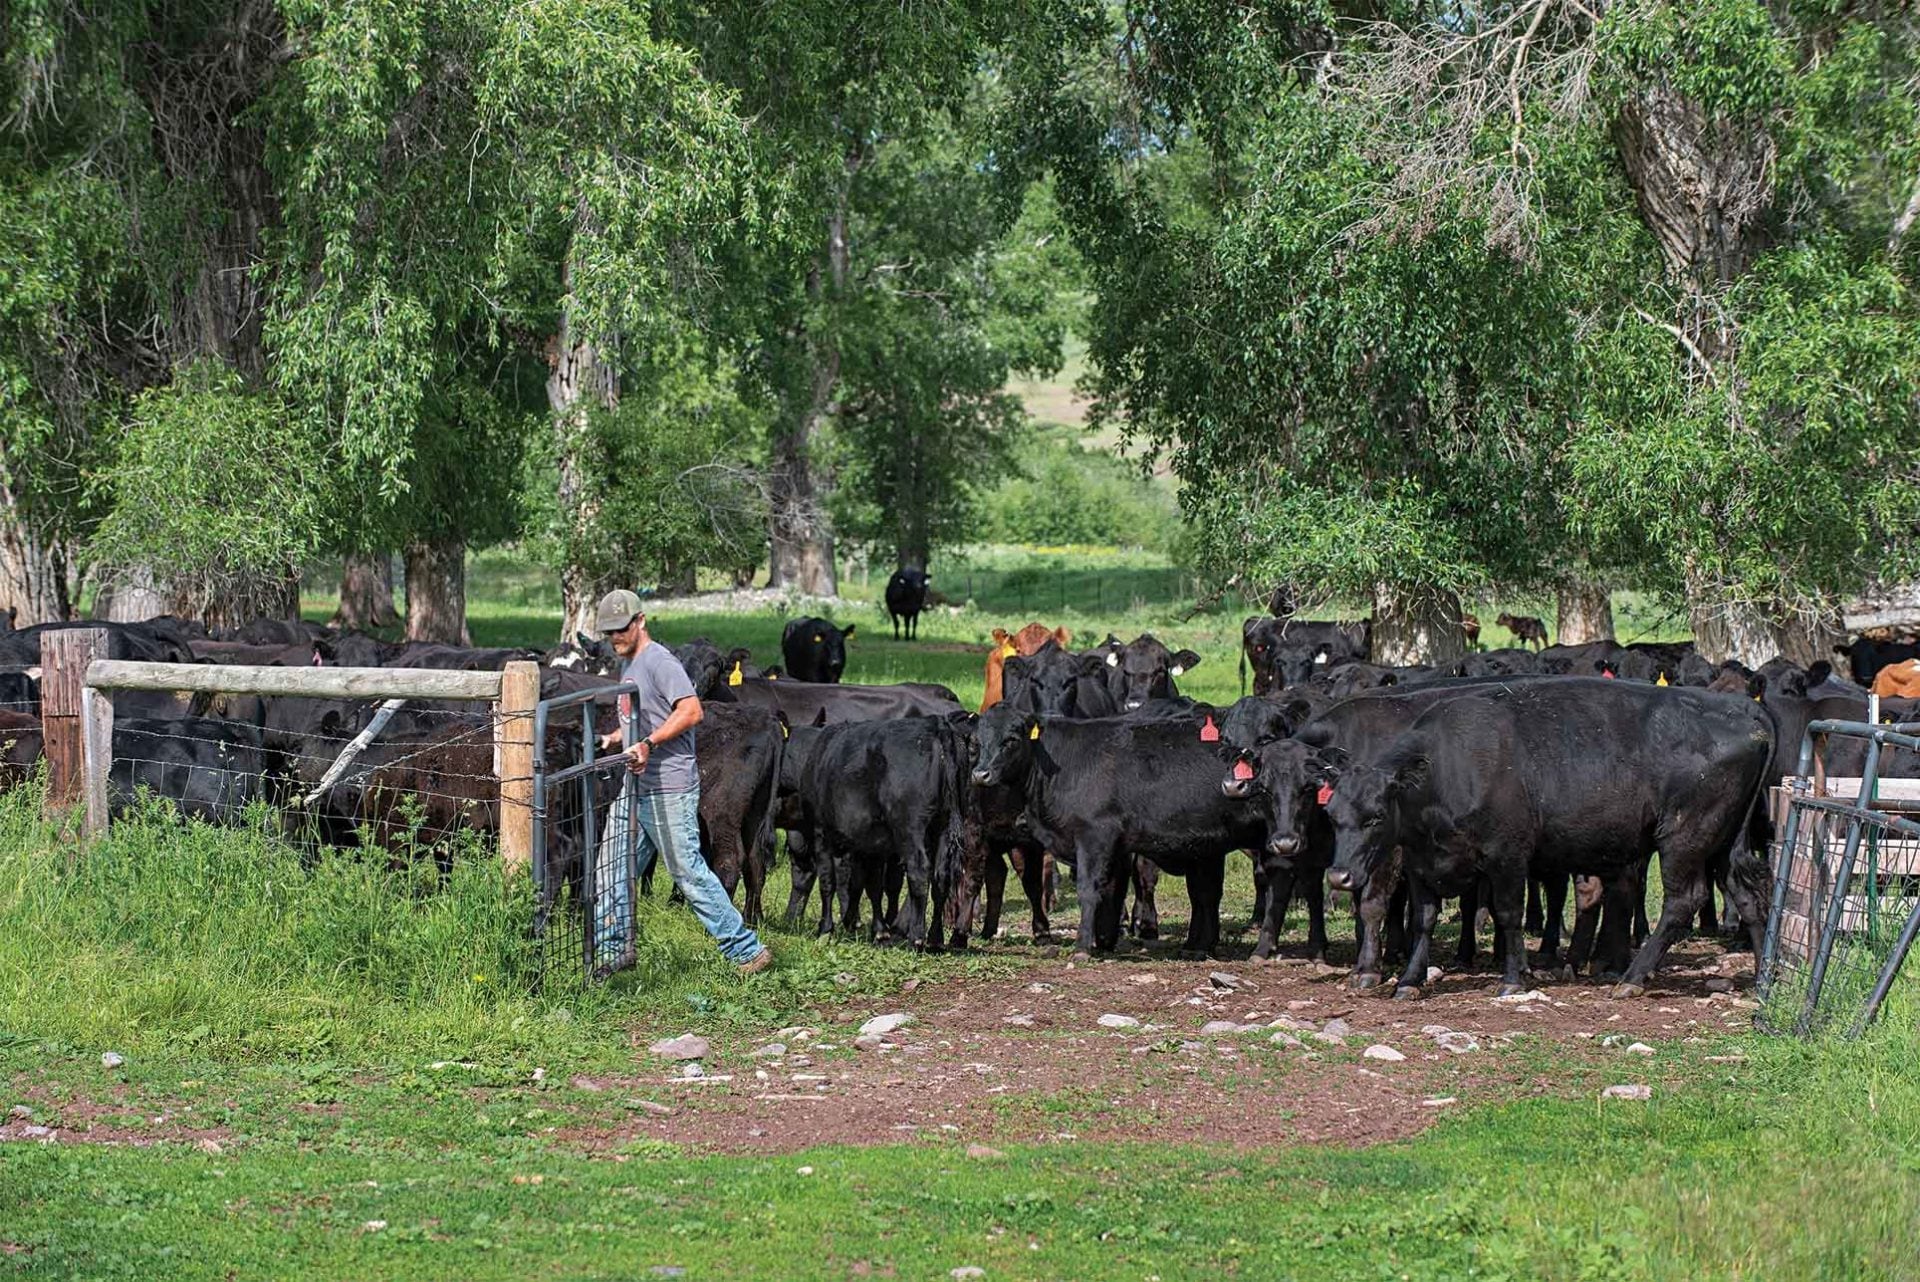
(513, 763)
(301, 682)
(64, 658)
(97, 715)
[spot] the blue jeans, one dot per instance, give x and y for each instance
(669, 826)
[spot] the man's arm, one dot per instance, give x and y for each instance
(687, 713)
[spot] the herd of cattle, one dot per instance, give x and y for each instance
(1502, 780)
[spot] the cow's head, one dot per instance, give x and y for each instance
(1047, 682)
(1290, 778)
(816, 650)
(1366, 806)
(1254, 721)
(1003, 746)
(1145, 669)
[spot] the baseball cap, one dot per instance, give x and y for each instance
(618, 608)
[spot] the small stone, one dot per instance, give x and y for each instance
(1627, 1092)
(1285, 1039)
(868, 1043)
(692, 1069)
(772, 1050)
(1518, 999)
(648, 1106)
(981, 1153)
(846, 979)
(966, 1271)
(685, 1046)
(1639, 1048)
(804, 1170)
(1382, 1051)
(1458, 1043)
(1433, 974)
(795, 1034)
(1726, 1059)
(585, 1084)
(1039, 988)
(1330, 1039)
(539, 1075)
(1118, 1021)
(373, 1226)
(1222, 979)
(1337, 1027)
(1304, 1004)
(1215, 1027)
(910, 985)
(1148, 978)
(210, 1147)
(1719, 984)
(881, 1025)
(1439, 1101)
(19, 1110)
(1435, 1030)
(1019, 1021)
(36, 1132)
(1193, 1046)
(112, 1060)
(1288, 1021)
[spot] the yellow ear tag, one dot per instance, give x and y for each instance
(734, 678)
(1007, 651)
(817, 637)
(784, 732)
(1663, 680)
(1034, 733)
(1756, 698)
(773, 676)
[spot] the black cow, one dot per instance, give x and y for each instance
(1144, 669)
(906, 597)
(1498, 663)
(712, 671)
(737, 750)
(459, 658)
(802, 703)
(1052, 682)
(1346, 679)
(585, 654)
(1578, 660)
(145, 642)
(1118, 789)
(208, 768)
(815, 650)
(1286, 652)
(881, 796)
(1865, 658)
(274, 632)
(1291, 779)
(20, 747)
(355, 650)
(1583, 775)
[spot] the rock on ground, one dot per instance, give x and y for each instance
(685, 1046)
(881, 1025)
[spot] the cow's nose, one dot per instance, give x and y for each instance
(1339, 879)
(1132, 704)
(1284, 846)
(983, 777)
(1234, 787)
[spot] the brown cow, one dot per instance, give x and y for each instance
(1898, 680)
(1027, 641)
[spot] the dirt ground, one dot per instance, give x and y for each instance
(1027, 1060)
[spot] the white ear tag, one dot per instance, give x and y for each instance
(1113, 660)
(1320, 658)
(1177, 669)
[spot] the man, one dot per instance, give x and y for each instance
(663, 787)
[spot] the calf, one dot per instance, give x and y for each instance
(1526, 629)
(882, 794)
(814, 650)
(1898, 680)
(1053, 682)
(906, 596)
(1491, 786)
(737, 752)
(208, 768)
(1118, 789)
(1144, 669)
(713, 672)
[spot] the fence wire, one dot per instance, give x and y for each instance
(1845, 912)
(586, 842)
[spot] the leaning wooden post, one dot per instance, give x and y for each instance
(96, 714)
(513, 750)
(64, 656)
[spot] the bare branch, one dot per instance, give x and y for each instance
(1679, 334)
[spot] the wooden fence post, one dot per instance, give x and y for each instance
(96, 715)
(64, 656)
(513, 751)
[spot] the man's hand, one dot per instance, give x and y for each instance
(637, 756)
(609, 740)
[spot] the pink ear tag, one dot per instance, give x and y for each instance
(1209, 733)
(1242, 769)
(1325, 794)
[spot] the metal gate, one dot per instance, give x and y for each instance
(585, 844)
(1846, 889)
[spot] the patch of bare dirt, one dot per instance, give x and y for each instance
(48, 1114)
(1026, 1060)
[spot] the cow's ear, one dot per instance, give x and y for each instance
(1819, 672)
(582, 640)
(1246, 629)
(820, 718)
(1756, 686)
(1000, 636)
(1063, 636)
(739, 654)
(1841, 649)
(847, 631)
(1185, 661)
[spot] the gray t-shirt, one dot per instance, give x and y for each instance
(662, 682)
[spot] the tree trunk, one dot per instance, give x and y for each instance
(130, 596)
(680, 580)
(1586, 614)
(580, 383)
(437, 591)
(366, 593)
(1754, 633)
(797, 525)
(33, 573)
(1416, 625)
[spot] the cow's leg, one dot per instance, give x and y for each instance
(1314, 891)
(1102, 878)
(1424, 912)
(1261, 889)
(1278, 888)
(1206, 880)
(996, 892)
(802, 871)
(1399, 914)
(1686, 886)
(1615, 946)
(1145, 921)
(1370, 910)
(1469, 948)
(1509, 895)
(1589, 893)
(1640, 928)
(1536, 907)
(1553, 893)
(1036, 879)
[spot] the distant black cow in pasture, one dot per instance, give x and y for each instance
(906, 597)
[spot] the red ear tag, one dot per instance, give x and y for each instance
(1209, 733)
(1606, 674)
(1242, 769)
(1325, 794)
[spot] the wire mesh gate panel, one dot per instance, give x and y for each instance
(586, 844)
(1846, 892)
